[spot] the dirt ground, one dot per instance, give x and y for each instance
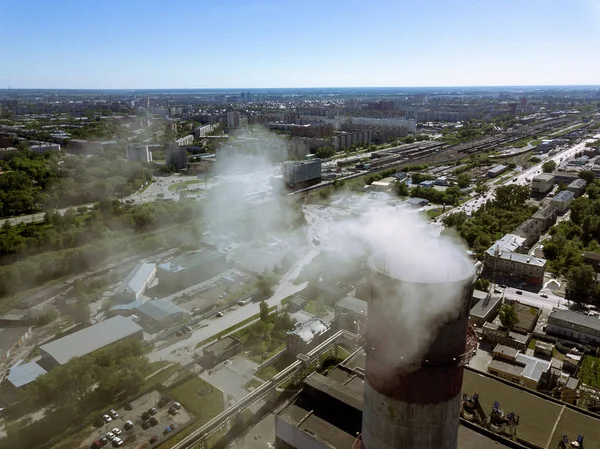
(136, 437)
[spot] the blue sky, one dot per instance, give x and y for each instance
(297, 43)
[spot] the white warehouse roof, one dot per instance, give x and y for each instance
(137, 278)
(90, 339)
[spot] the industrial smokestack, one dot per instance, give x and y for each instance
(416, 338)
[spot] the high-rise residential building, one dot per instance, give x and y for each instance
(291, 117)
(176, 156)
(137, 152)
(233, 119)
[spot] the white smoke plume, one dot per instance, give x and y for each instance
(408, 314)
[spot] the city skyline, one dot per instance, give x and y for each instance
(264, 44)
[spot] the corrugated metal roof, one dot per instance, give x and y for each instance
(137, 278)
(90, 339)
(159, 309)
(25, 374)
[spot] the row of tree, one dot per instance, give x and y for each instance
(33, 182)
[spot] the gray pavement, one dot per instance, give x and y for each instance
(231, 376)
(260, 436)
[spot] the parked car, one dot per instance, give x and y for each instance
(110, 436)
(117, 442)
(145, 416)
(117, 431)
(167, 430)
(103, 440)
(128, 407)
(129, 425)
(113, 413)
(154, 439)
(96, 445)
(153, 411)
(153, 421)
(106, 418)
(177, 405)
(188, 328)
(163, 401)
(519, 292)
(172, 411)
(146, 425)
(99, 422)
(496, 290)
(220, 314)
(543, 295)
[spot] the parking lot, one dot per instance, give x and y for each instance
(135, 437)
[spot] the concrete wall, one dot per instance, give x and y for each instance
(392, 424)
(288, 436)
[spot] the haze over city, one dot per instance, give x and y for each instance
(297, 225)
(270, 43)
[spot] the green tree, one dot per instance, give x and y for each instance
(401, 189)
(508, 316)
(464, 180)
(264, 312)
(588, 176)
(549, 166)
(482, 284)
(580, 283)
(324, 152)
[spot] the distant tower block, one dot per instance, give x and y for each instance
(414, 405)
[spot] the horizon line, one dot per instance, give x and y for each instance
(9, 88)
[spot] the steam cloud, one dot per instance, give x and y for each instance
(409, 314)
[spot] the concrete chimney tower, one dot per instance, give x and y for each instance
(414, 403)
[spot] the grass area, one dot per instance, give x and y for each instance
(199, 397)
(252, 383)
(316, 308)
(184, 184)
(267, 373)
(589, 372)
(433, 213)
(532, 343)
(160, 377)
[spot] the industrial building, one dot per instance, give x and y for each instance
(496, 170)
(308, 332)
(350, 313)
(176, 156)
(574, 326)
(137, 152)
(329, 410)
(134, 285)
(219, 351)
(413, 403)
(159, 314)
(577, 186)
(23, 374)
(298, 173)
(562, 201)
(10, 339)
(543, 183)
(191, 268)
(90, 339)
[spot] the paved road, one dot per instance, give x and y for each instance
(522, 178)
(534, 299)
(213, 326)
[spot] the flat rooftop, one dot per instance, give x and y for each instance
(539, 415)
